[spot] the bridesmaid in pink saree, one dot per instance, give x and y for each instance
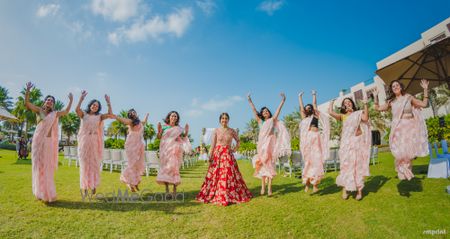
(44, 149)
(354, 151)
(274, 142)
(90, 142)
(134, 149)
(313, 143)
(174, 142)
(409, 137)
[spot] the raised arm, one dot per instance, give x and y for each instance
(145, 119)
(277, 113)
(422, 103)
(123, 120)
(255, 112)
(67, 110)
(186, 131)
(365, 114)
(28, 104)
(110, 114)
(160, 131)
(78, 110)
(314, 96)
(213, 146)
(300, 102)
(332, 113)
(236, 138)
(378, 107)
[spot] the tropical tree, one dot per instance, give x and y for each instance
(252, 130)
(5, 99)
(149, 133)
(70, 124)
(292, 122)
(25, 117)
(118, 127)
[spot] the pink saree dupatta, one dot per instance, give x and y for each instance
(420, 142)
(171, 151)
(324, 129)
(45, 158)
(39, 147)
(272, 146)
(350, 142)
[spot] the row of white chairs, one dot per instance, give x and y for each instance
(115, 159)
(296, 161)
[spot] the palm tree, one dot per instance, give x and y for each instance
(149, 133)
(292, 122)
(252, 130)
(26, 118)
(70, 124)
(5, 99)
(439, 96)
(119, 127)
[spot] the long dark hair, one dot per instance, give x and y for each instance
(311, 112)
(88, 109)
(390, 93)
(134, 120)
(167, 119)
(260, 114)
(343, 109)
(224, 114)
(54, 102)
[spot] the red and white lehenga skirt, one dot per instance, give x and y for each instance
(224, 184)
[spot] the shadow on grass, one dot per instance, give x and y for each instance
(405, 187)
(277, 190)
(113, 204)
(28, 162)
(329, 186)
(420, 169)
(374, 184)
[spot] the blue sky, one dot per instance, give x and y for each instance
(202, 57)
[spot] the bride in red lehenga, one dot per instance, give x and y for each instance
(224, 184)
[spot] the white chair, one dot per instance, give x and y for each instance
(115, 159)
(374, 154)
(296, 162)
(66, 153)
(73, 155)
(106, 158)
(151, 161)
(332, 160)
(124, 160)
(281, 162)
(439, 167)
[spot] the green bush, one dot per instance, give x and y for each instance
(437, 133)
(154, 145)
(8, 146)
(114, 143)
(246, 146)
(295, 144)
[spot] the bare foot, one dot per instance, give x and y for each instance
(315, 189)
(94, 191)
(269, 193)
(359, 195)
(137, 187)
(344, 194)
(306, 188)
(262, 191)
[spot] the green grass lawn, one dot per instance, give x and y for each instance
(389, 209)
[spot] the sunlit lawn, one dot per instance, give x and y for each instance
(389, 209)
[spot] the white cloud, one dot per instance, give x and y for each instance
(47, 10)
(194, 113)
(207, 6)
(212, 105)
(116, 10)
(155, 28)
(270, 6)
(222, 104)
(80, 29)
